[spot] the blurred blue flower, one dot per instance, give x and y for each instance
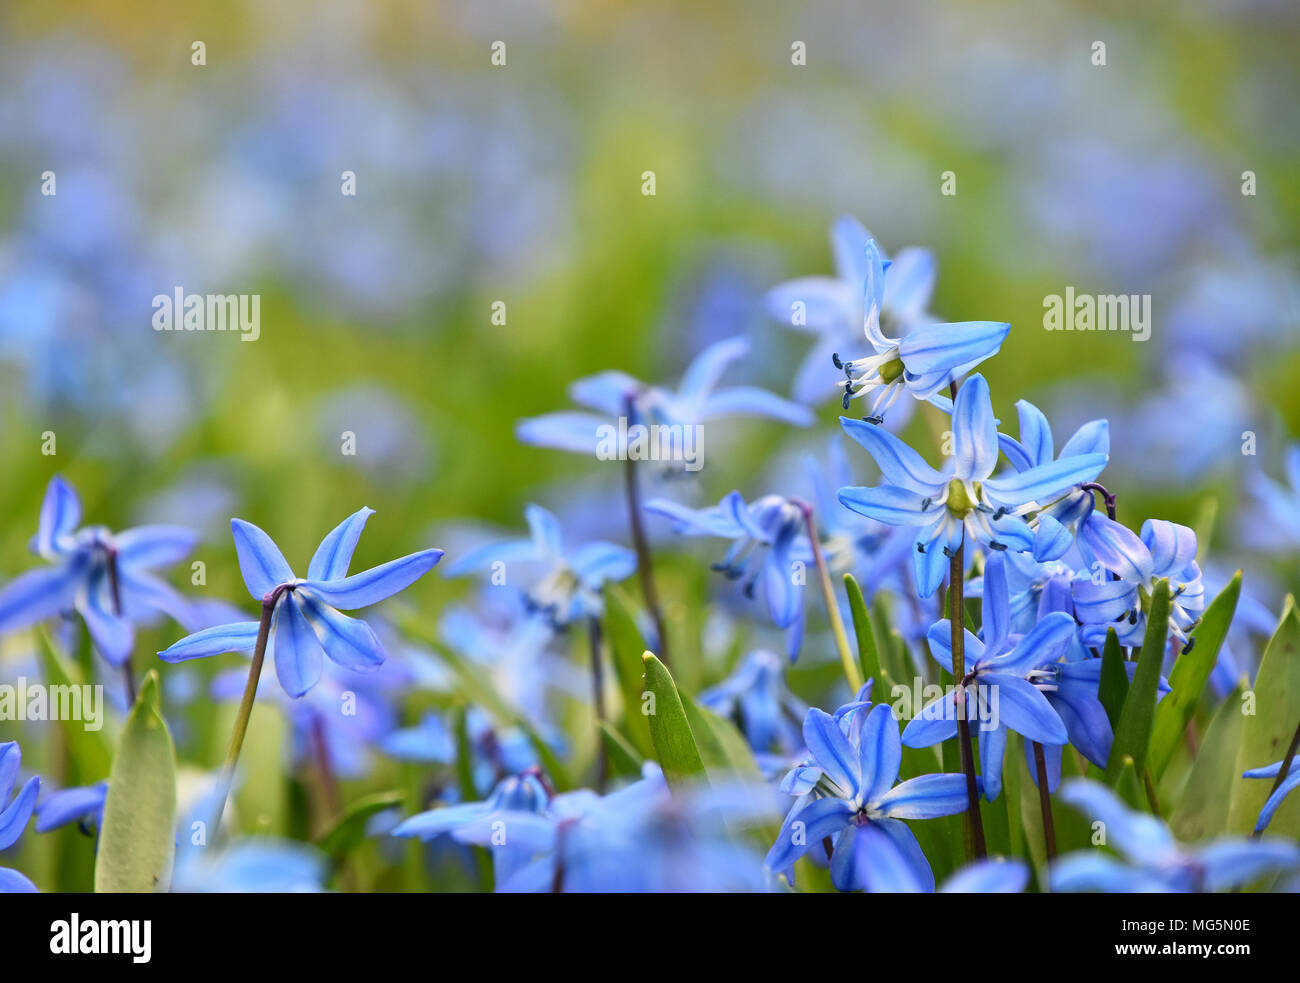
(305, 615)
(1287, 786)
(14, 814)
(756, 699)
(83, 805)
(1274, 523)
(104, 576)
(1152, 861)
(963, 501)
(253, 865)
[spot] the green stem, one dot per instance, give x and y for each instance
(852, 671)
(598, 701)
(957, 624)
(644, 565)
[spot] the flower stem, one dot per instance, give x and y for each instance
(1045, 801)
(1282, 772)
(1106, 497)
(115, 588)
(852, 671)
(598, 701)
(227, 773)
(644, 567)
(957, 624)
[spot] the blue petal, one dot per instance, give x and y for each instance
(975, 432)
(69, 805)
(993, 749)
(608, 392)
(39, 594)
(332, 556)
(1116, 548)
(502, 551)
(805, 829)
(702, 375)
(599, 562)
(827, 304)
(11, 757)
(578, 433)
(296, 648)
(752, 401)
(996, 603)
(238, 637)
(1140, 837)
(113, 635)
(909, 282)
(1172, 547)
(154, 546)
(545, 532)
(1024, 709)
(12, 882)
(926, 797)
(880, 752)
(898, 463)
(374, 585)
(1103, 603)
(939, 638)
(905, 842)
(932, 723)
(936, 354)
(1231, 862)
(888, 503)
(13, 820)
(1035, 435)
(832, 750)
(851, 247)
(1043, 643)
(1091, 438)
(349, 642)
(1097, 871)
(874, 863)
(997, 875)
(1051, 763)
(1288, 785)
(435, 822)
(1042, 483)
(1051, 539)
(60, 516)
(260, 560)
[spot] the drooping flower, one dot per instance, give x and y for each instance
(1004, 671)
(963, 502)
(1152, 860)
(695, 401)
(566, 585)
(104, 576)
(771, 525)
(1287, 786)
(834, 310)
(756, 698)
(14, 814)
(304, 612)
(857, 804)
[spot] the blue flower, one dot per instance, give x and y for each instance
(568, 585)
(305, 618)
(1004, 673)
(14, 814)
(997, 875)
(856, 803)
(771, 525)
(1152, 861)
(84, 805)
(833, 308)
(756, 698)
(253, 865)
(85, 562)
(1275, 522)
(695, 401)
(1287, 786)
(964, 500)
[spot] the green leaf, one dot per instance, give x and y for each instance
(1189, 675)
(138, 841)
(1202, 809)
(625, 647)
(675, 747)
(722, 747)
(1266, 734)
(623, 757)
(1112, 689)
(349, 830)
(868, 654)
(89, 752)
(1133, 732)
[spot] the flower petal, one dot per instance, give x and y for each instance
(374, 585)
(880, 752)
(1023, 708)
(1043, 483)
(898, 463)
(60, 516)
(349, 642)
(238, 637)
(296, 648)
(974, 431)
(13, 820)
(926, 797)
(332, 556)
(154, 546)
(260, 560)
(832, 750)
(805, 829)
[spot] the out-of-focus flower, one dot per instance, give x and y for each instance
(84, 805)
(1287, 786)
(14, 814)
(305, 618)
(1274, 524)
(755, 697)
(254, 865)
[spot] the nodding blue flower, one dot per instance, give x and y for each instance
(104, 576)
(996, 875)
(305, 615)
(857, 805)
(963, 501)
(757, 700)
(1152, 860)
(695, 401)
(83, 805)
(566, 586)
(1165, 550)
(772, 525)
(253, 865)
(834, 309)
(1287, 786)
(1005, 674)
(1274, 523)
(1036, 448)
(14, 814)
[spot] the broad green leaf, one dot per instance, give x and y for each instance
(1202, 809)
(1189, 675)
(722, 747)
(1112, 689)
(674, 744)
(625, 648)
(1266, 734)
(1133, 732)
(137, 844)
(349, 830)
(623, 757)
(868, 654)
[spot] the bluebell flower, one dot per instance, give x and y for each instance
(81, 575)
(756, 699)
(83, 805)
(834, 309)
(773, 526)
(1003, 675)
(566, 585)
(14, 814)
(964, 501)
(1287, 786)
(305, 615)
(695, 401)
(857, 804)
(1151, 860)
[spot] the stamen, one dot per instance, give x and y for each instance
(835, 357)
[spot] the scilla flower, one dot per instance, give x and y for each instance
(1287, 786)
(14, 814)
(305, 621)
(964, 500)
